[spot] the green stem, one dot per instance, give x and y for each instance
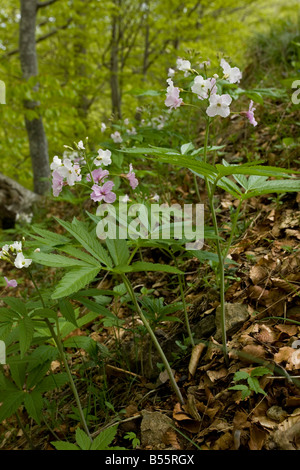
(183, 301)
(221, 259)
(153, 337)
(60, 348)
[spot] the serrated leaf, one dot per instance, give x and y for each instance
(51, 238)
(240, 375)
(89, 241)
(52, 381)
(71, 250)
(10, 404)
(104, 439)
(276, 186)
(74, 280)
(140, 266)
(260, 371)
(26, 331)
(16, 305)
(67, 311)
(60, 445)
(34, 404)
(118, 250)
(83, 439)
(18, 373)
(253, 384)
(57, 261)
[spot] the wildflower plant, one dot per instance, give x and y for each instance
(84, 257)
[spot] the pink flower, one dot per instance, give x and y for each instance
(172, 99)
(57, 183)
(250, 114)
(103, 192)
(98, 175)
(131, 178)
(11, 283)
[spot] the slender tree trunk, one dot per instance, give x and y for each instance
(114, 70)
(35, 128)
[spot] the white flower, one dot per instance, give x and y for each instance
(156, 197)
(184, 66)
(21, 262)
(232, 74)
(4, 251)
(103, 158)
(171, 73)
(116, 137)
(203, 88)
(219, 105)
(103, 127)
(126, 121)
(37, 250)
(56, 163)
(16, 246)
(70, 172)
(80, 145)
(125, 198)
(132, 132)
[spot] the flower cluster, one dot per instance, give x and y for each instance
(14, 254)
(206, 89)
(68, 172)
(64, 172)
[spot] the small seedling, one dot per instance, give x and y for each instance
(252, 381)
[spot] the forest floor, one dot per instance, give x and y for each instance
(263, 300)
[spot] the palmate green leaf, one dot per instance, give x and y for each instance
(58, 261)
(141, 266)
(88, 240)
(176, 159)
(74, 280)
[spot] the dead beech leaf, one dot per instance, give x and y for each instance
(266, 334)
(195, 356)
(257, 438)
(224, 442)
(290, 330)
(284, 354)
(171, 439)
(258, 274)
(217, 374)
(184, 420)
(252, 351)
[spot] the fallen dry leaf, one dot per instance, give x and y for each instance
(195, 356)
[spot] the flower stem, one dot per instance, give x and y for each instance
(221, 258)
(153, 337)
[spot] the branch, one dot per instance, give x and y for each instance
(41, 38)
(45, 4)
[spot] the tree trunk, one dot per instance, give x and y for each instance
(35, 129)
(114, 70)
